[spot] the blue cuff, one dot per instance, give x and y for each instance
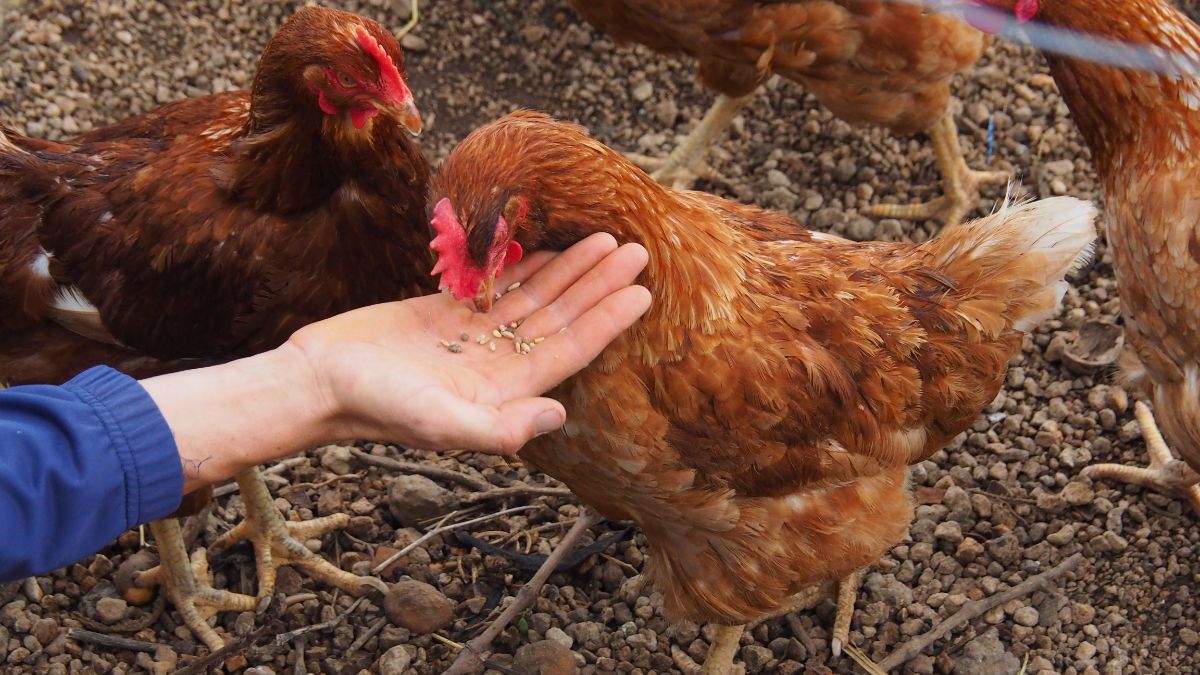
(140, 438)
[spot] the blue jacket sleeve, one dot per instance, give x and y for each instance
(79, 464)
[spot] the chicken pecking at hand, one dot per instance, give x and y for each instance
(758, 422)
(1143, 130)
(213, 228)
(869, 61)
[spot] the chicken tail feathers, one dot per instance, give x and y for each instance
(1020, 255)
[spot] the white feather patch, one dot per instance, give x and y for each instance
(71, 299)
(41, 265)
(73, 311)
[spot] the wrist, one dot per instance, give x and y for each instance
(230, 417)
(317, 411)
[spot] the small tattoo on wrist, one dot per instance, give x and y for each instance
(195, 464)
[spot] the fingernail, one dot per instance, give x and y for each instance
(547, 421)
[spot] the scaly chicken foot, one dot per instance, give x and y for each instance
(960, 183)
(719, 660)
(1165, 473)
(189, 585)
(846, 599)
(686, 163)
(278, 542)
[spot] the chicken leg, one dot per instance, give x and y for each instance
(278, 542)
(960, 183)
(686, 162)
(1165, 473)
(189, 586)
(724, 647)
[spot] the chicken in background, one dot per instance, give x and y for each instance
(758, 422)
(213, 228)
(1143, 130)
(869, 61)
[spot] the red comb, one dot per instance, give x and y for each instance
(389, 75)
(459, 274)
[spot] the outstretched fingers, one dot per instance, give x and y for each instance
(552, 278)
(574, 346)
(616, 271)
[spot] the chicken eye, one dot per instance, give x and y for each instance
(346, 80)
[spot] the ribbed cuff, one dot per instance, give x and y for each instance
(140, 437)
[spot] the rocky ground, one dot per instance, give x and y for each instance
(1004, 502)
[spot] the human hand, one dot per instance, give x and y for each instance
(384, 374)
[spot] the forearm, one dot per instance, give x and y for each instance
(79, 464)
(230, 417)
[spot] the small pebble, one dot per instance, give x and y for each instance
(417, 606)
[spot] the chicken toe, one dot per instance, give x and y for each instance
(189, 585)
(686, 162)
(278, 542)
(1165, 473)
(960, 183)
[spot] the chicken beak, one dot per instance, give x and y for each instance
(406, 115)
(485, 298)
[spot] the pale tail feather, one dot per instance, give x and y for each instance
(1046, 239)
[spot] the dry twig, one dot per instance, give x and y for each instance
(483, 489)
(427, 470)
(412, 23)
(469, 658)
(111, 641)
(299, 668)
(294, 487)
(370, 633)
(231, 649)
(517, 491)
(973, 609)
(860, 657)
(440, 529)
(284, 638)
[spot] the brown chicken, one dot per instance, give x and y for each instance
(213, 228)
(868, 61)
(1143, 129)
(759, 421)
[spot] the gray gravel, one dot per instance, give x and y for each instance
(1001, 503)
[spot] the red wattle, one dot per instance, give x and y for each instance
(513, 254)
(359, 116)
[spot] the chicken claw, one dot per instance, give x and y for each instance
(960, 183)
(686, 162)
(189, 587)
(278, 542)
(1165, 473)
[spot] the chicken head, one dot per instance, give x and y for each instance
(470, 257)
(352, 68)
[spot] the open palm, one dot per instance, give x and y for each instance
(387, 366)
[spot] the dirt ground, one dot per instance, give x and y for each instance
(1002, 503)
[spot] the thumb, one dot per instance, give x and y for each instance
(504, 430)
